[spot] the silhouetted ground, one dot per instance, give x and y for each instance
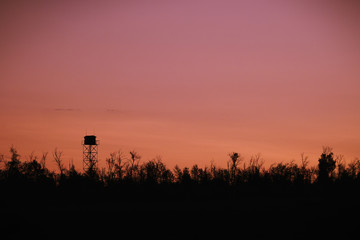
(255, 217)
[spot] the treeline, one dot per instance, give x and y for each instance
(122, 169)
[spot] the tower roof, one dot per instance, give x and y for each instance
(90, 140)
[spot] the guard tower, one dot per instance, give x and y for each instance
(90, 153)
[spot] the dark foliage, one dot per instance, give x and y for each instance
(129, 173)
(245, 191)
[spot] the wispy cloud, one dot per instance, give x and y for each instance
(67, 109)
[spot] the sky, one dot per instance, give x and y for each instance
(190, 81)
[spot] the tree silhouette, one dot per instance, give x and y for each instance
(326, 165)
(43, 159)
(133, 166)
(13, 166)
(235, 159)
(110, 164)
(58, 160)
(195, 173)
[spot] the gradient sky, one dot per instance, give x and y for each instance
(190, 81)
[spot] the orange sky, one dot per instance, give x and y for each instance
(190, 81)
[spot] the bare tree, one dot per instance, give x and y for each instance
(256, 162)
(43, 159)
(327, 150)
(57, 158)
(32, 157)
(119, 164)
(71, 164)
(115, 164)
(354, 168)
(235, 159)
(255, 168)
(135, 158)
(304, 160)
(341, 165)
(306, 173)
(110, 164)
(133, 163)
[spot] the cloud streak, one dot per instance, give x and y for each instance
(67, 109)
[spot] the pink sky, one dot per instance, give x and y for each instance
(190, 81)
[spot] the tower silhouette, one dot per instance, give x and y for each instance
(90, 153)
